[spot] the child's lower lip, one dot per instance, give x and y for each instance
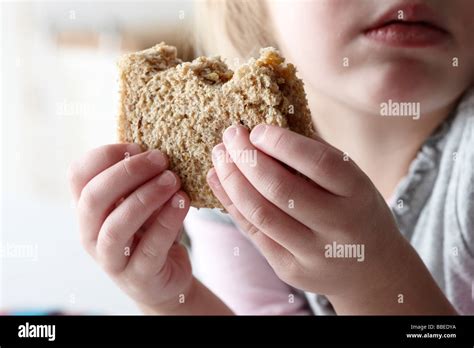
(407, 35)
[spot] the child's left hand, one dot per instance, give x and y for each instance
(295, 221)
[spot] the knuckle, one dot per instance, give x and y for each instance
(228, 177)
(319, 159)
(240, 156)
(139, 164)
(260, 217)
(108, 237)
(127, 213)
(328, 162)
(88, 200)
(134, 280)
(287, 268)
(135, 165)
(165, 224)
(130, 167)
(279, 189)
(280, 140)
(252, 230)
(360, 187)
(363, 187)
(143, 198)
(110, 269)
(147, 250)
(107, 152)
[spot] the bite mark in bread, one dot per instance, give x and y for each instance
(182, 108)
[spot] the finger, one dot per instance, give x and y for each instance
(266, 217)
(99, 196)
(322, 163)
(151, 252)
(151, 219)
(126, 219)
(291, 193)
(272, 251)
(95, 161)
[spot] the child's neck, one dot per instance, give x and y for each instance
(383, 147)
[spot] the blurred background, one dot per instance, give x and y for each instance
(58, 98)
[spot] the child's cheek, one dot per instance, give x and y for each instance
(303, 29)
(318, 37)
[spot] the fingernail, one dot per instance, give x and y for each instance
(178, 201)
(212, 178)
(166, 179)
(156, 157)
(218, 152)
(257, 134)
(229, 134)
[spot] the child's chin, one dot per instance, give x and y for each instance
(392, 100)
(399, 85)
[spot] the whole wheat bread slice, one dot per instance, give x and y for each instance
(182, 108)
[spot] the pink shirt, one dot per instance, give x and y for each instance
(228, 263)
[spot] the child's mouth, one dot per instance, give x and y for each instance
(413, 25)
(408, 34)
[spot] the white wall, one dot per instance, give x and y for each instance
(55, 104)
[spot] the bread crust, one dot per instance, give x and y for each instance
(182, 108)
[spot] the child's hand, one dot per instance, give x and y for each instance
(295, 222)
(130, 215)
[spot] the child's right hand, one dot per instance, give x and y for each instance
(130, 217)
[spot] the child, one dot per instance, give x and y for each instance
(385, 222)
